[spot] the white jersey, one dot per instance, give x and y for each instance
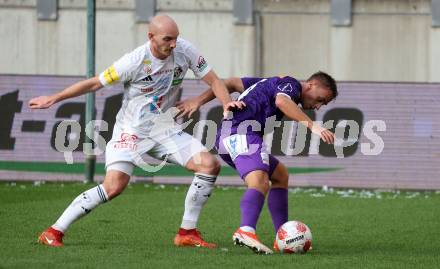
(151, 85)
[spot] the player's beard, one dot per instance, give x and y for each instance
(167, 51)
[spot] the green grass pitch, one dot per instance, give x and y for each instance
(351, 229)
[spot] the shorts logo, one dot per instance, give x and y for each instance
(128, 141)
(201, 64)
(235, 145)
(264, 157)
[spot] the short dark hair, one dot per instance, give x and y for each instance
(326, 80)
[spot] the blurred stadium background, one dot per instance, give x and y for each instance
(384, 54)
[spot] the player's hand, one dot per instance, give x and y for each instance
(326, 135)
(232, 106)
(187, 107)
(41, 102)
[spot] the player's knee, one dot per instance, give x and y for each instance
(204, 162)
(114, 184)
(114, 191)
(210, 164)
(214, 166)
(265, 185)
(260, 184)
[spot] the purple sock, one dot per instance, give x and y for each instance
(278, 206)
(251, 204)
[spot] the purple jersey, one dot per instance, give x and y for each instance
(259, 97)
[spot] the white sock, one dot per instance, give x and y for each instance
(197, 195)
(83, 204)
(248, 229)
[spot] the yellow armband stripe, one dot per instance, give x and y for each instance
(110, 75)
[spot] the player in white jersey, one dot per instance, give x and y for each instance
(150, 75)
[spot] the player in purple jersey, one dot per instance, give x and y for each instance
(240, 141)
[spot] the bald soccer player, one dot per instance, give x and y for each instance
(149, 74)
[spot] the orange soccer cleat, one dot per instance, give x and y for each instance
(51, 237)
(251, 241)
(191, 238)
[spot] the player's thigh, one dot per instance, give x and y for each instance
(280, 176)
(119, 162)
(181, 148)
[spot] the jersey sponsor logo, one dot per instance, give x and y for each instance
(166, 71)
(163, 83)
(155, 103)
(177, 82)
(146, 79)
(147, 68)
(110, 75)
(147, 90)
(176, 76)
(177, 71)
(201, 64)
(285, 87)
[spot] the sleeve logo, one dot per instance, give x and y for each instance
(201, 64)
(285, 87)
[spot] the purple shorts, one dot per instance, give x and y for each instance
(245, 153)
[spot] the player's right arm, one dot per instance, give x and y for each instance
(292, 111)
(189, 106)
(233, 84)
(77, 89)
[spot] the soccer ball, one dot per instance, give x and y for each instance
(294, 237)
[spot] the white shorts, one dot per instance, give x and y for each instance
(125, 150)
